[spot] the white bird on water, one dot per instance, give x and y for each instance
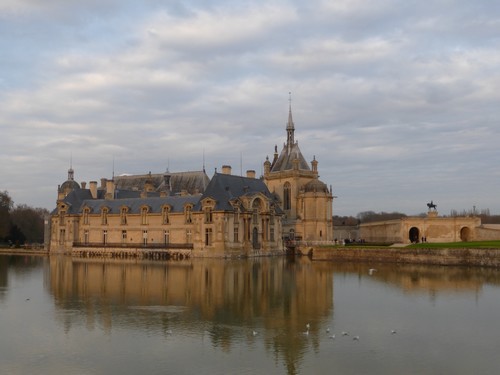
(328, 330)
(344, 333)
(308, 326)
(393, 332)
(332, 336)
(254, 333)
(371, 271)
(356, 338)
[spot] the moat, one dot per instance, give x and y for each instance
(100, 316)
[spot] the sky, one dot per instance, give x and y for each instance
(398, 100)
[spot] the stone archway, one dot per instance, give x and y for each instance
(414, 234)
(465, 234)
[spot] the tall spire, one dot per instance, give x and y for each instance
(290, 128)
(71, 172)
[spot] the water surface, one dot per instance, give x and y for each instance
(89, 316)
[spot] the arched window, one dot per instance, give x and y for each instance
(287, 196)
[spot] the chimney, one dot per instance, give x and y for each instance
(226, 169)
(110, 189)
(93, 189)
(103, 183)
(83, 184)
(250, 173)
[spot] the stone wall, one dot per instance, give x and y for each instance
(455, 256)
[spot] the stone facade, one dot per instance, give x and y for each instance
(187, 211)
(306, 201)
(432, 228)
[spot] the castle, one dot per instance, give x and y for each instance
(188, 213)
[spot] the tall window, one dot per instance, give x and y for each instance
(255, 216)
(86, 212)
(188, 214)
(166, 236)
(287, 196)
(189, 236)
(62, 236)
(208, 215)
(236, 215)
(271, 234)
(165, 211)
(123, 215)
(236, 235)
(208, 237)
(144, 215)
(124, 236)
(104, 216)
(62, 214)
(86, 236)
(105, 237)
(144, 237)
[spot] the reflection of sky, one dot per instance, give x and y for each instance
(450, 333)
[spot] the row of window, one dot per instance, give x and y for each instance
(165, 216)
(165, 213)
(166, 236)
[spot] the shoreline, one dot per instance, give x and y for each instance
(444, 257)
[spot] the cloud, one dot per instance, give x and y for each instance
(394, 100)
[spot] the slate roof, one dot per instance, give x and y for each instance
(224, 187)
(79, 198)
(193, 182)
(285, 160)
(134, 204)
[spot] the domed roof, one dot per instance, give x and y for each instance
(316, 186)
(70, 185)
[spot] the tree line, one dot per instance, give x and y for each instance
(20, 224)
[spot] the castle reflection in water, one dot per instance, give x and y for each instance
(227, 300)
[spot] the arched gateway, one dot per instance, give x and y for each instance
(414, 234)
(465, 234)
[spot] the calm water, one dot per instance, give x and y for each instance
(81, 316)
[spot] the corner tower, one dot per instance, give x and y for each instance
(305, 200)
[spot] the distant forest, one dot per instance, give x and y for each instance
(20, 224)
